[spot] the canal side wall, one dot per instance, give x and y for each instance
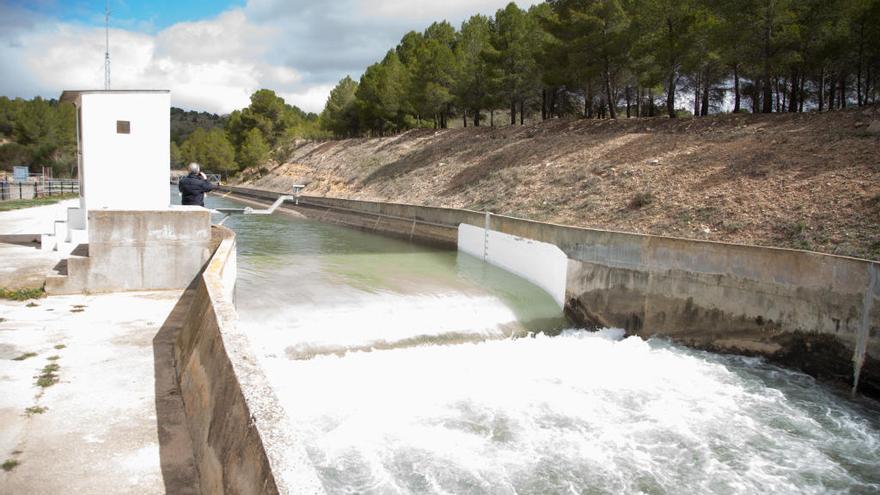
(241, 440)
(816, 312)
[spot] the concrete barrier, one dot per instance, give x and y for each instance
(242, 442)
(137, 250)
(816, 312)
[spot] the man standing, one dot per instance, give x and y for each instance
(194, 186)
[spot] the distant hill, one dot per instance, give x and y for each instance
(183, 123)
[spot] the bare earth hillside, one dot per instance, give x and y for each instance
(807, 181)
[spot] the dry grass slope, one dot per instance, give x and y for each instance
(805, 181)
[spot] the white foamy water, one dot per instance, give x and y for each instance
(393, 365)
(577, 413)
(383, 320)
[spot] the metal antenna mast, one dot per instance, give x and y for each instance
(107, 41)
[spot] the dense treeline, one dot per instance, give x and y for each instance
(184, 123)
(609, 58)
(38, 133)
(245, 137)
(42, 133)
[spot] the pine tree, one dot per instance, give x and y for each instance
(340, 112)
(472, 89)
(254, 150)
(511, 56)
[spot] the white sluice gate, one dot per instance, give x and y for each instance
(541, 263)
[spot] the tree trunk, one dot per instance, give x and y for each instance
(859, 64)
(651, 109)
(842, 93)
(778, 99)
(832, 86)
(756, 95)
(767, 97)
(868, 86)
(586, 104)
(522, 112)
(588, 101)
(697, 88)
(512, 112)
(628, 99)
(639, 92)
(736, 96)
(768, 87)
(543, 103)
(553, 102)
(821, 96)
(612, 112)
(670, 88)
(464, 118)
(476, 117)
(705, 110)
(802, 93)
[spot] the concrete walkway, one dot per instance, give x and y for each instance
(36, 220)
(113, 422)
(24, 264)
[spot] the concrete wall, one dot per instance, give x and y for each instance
(138, 250)
(241, 439)
(816, 312)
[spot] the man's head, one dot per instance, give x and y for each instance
(194, 168)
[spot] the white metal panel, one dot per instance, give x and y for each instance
(541, 263)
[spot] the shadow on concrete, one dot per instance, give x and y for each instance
(27, 240)
(175, 445)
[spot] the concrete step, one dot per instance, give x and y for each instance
(75, 218)
(77, 236)
(60, 229)
(70, 274)
(64, 248)
(47, 242)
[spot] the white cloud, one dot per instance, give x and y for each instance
(298, 48)
(431, 10)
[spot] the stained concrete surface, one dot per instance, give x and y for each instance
(114, 420)
(24, 265)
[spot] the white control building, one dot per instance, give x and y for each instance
(123, 154)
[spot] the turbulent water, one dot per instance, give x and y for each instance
(407, 369)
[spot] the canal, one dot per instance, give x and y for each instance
(411, 369)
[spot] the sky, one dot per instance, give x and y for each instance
(211, 54)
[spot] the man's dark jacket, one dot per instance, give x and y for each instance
(193, 189)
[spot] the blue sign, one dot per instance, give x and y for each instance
(20, 174)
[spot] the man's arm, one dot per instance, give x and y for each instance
(207, 186)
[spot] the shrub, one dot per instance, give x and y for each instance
(641, 199)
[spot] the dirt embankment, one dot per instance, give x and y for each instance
(807, 181)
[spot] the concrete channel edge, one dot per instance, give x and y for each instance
(241, 438)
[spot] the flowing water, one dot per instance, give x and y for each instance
(406, 369)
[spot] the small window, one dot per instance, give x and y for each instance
(123, 127)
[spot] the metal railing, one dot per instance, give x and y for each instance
(37, 189)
